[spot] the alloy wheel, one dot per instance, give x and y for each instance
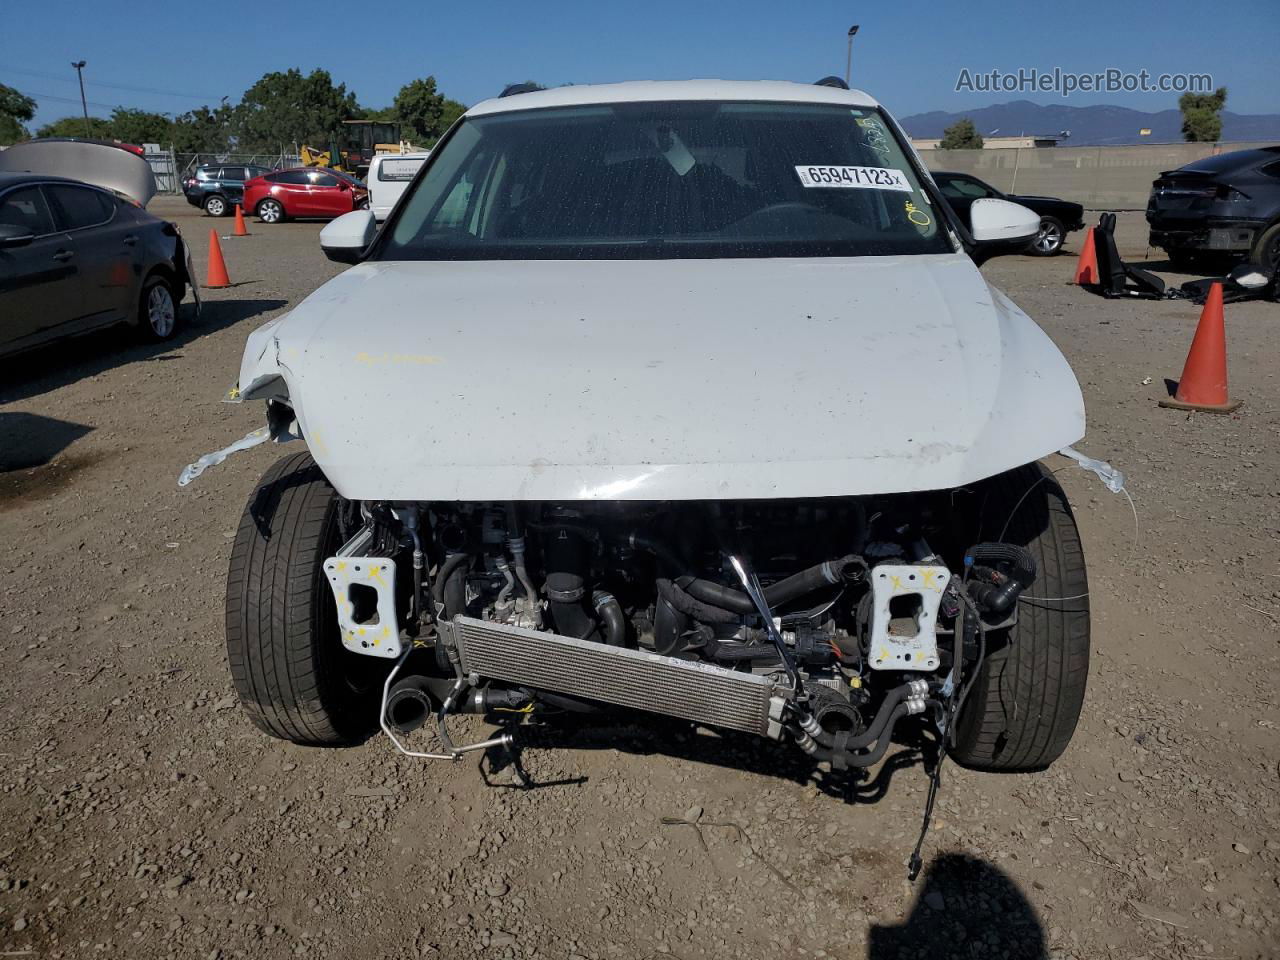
(1049, 239)
(161, 313)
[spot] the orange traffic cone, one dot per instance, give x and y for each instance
(1204, 377)
(217, 276)
(1087, 265)
(240, 230)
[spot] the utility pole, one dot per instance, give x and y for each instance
(848, 60)
(79, 65)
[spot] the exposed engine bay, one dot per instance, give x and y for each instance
(823, 622)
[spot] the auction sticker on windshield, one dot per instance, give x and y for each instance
(857, 178)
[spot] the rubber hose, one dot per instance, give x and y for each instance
(675, 595)
(565, 702)
(999, 598)
(892, 700)
(610, 611)
(872, 756)
(408, 705)
(736, 652)
(451, 563)
(820, 575)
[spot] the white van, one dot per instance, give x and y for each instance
(389, 174)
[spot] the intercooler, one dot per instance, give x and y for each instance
(691, 690)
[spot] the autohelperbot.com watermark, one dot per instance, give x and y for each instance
(1067, 82)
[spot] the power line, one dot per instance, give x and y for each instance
(92, 103)
(115, 86)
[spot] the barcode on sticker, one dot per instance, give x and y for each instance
(855, 178)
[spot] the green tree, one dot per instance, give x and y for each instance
(287, 107)
(204, 130)
(74, 127)
(140, 126)
(16, 109)
(961, 135)
(423, 112)
(1202, 115)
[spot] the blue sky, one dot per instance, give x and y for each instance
(172, 57)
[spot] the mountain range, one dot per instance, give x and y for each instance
(1089, 126)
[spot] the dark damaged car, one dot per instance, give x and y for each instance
(77, 257)
(1228, 205)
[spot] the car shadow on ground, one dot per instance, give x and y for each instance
(47, 368)
(30, 440)
(965, 908)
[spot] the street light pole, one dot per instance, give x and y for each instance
(848, 60)
(79, 65)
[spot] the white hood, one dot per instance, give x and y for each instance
(666, 379)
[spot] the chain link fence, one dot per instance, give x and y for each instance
(172, 168)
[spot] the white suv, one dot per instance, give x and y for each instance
(389, 175)
(685, 398)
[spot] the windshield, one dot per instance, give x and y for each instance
(667, 180)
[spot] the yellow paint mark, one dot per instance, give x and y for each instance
(928, 576)
(917, 216)
(895, 581)
(316, 443)
(386, 630)
(360, 631)
(419, 644)
(375, 575)
(342, 565)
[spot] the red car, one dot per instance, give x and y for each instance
(303, 192)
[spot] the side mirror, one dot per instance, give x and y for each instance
(345, 239)
(1001, 226)
(13, 235)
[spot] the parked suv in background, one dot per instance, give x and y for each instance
(304, 192)
(219, 187)
(1057, 217)
(1228, 204)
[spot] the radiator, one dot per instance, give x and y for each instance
(689, 689)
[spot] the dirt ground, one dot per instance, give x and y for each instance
(142, 816)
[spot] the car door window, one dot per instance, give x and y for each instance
(292, 177)
(26, 208)
(323, 179)
(962, 188)
(78, 207)
(235, 174)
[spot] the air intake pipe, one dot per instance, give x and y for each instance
(997, 595)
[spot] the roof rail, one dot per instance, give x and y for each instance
(831, 81)
(511, 89)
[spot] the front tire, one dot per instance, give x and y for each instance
(157, 309)
(1026, 699)
(292, 674)
(1048, 242)
(270, 211)
(216, 206)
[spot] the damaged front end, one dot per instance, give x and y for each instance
(844, 620)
